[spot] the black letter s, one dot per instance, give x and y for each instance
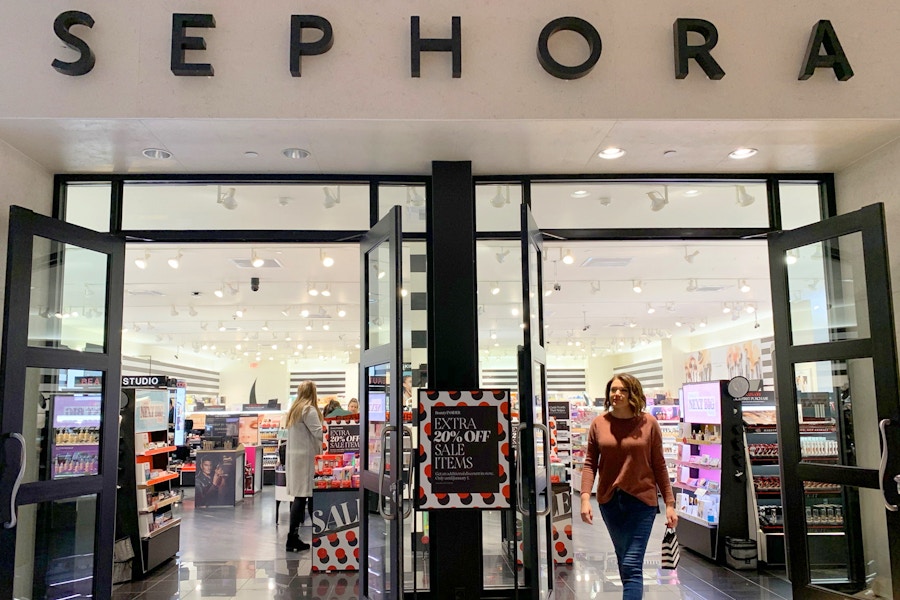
(61, 27)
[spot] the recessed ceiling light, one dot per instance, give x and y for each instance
(251, 154)
(692, 193)
(611, 153)
(156, 153)
(740, 153)
(295, 152)
(580, 194)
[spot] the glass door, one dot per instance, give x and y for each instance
(839, 437)
(61, 367)
(380, 379)
(534, 493)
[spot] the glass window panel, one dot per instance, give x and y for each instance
(499, 314)
(308, 206)
(68, 297)
(497, 207)
(63, 415)
(411, 198)
(415, 316)
(536, 298)
(55, 549)
(376, 403)
(379, 296)
(378, 549)
(617, 205)
(88, 205)
(800, 204)
(847, 540)
(827, 291)
(829, 419)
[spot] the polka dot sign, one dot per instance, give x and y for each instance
(464, 449)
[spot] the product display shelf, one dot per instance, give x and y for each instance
(670, 435)
(269, 427)
(579, 427)
(709, 477)
(146, 494)
(825, 504)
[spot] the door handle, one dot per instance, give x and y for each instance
(546, 510)
(14, 470)
(407, 474)
(382, 471)
(882, 425)
(523, 506)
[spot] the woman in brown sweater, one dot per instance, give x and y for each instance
(625, 450)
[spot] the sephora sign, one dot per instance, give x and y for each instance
(823, 50)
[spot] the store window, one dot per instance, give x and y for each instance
(497, 207)
(88, 205)
(411, 198)
(648, 204)
(801, 203)
(308, 206)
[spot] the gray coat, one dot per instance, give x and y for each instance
(304, 442)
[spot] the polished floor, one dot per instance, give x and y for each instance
(239, 553)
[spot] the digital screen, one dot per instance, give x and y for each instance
(702, 402)
(76, 411)
(377, 407)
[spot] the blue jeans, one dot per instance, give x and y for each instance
(629, 522)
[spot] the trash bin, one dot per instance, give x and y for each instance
(740, 553)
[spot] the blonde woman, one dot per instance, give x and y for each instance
(304, 442)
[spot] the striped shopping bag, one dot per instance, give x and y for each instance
(670, 552)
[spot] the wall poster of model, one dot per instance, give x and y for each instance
(726, 362)
(214, 481)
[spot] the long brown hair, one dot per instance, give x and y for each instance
(306, 396)
(636, 399)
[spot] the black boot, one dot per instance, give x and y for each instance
(295, 544)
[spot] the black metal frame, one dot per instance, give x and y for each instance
(18, 356)
(880, 347)
(387, 231)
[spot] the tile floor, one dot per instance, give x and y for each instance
(239, 553)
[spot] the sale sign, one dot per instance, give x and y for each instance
(464, 447)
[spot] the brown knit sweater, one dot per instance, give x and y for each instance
(627, 454)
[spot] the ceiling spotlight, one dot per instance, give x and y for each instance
(702, 323)
(284, 200)
(580, 194)
(227, 198)
(632, 323)
(791, 257)
(679, 323)
(605, 200)
(175, 261)
(744, 287)
(691, 286)
(220, 293)
(750, 309)
(326, 326)
(611, 153)
(265, 326)
(136, 328)
(741, 153)
(286, 311)
(670, 306)
(650, 309)
(256, 260)
(192, 311)
(636, 286)
(308, 326)
(327, 261)
(304, 313)
(174, 311)
(414, 197)
(495, 289)
(502, 254)
(500, 199)
(233, 289)
(342, 313)
(221, 326)
(141, 263)
(568, 258)
(326, 292)
(743, 198)
(156, 153)
(295, 153)
(312, 290)
(596, 286)
(204, 325)
(331, 197)
(726, 308)
(690, 257)
(692, 193)
(239, 313)
(658, 200)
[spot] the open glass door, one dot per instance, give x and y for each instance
(534, 493)
(61, 367)
(380, 378)
(839, 437)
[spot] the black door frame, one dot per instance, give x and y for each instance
(18, 356)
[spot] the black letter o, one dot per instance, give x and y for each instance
(579, 26)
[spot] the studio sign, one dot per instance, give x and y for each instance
(823, 51)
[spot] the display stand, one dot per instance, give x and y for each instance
(146, 493)
(219, 480)
(253, 456)
(711, 471)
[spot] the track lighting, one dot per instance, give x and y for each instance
(568, 258)
(192, 311)
(744, 286)
(256, 261)
(414, 197)
(327, 261)
(265, 326)
(791, 257)
(312, 290)
(326, 292)
(239, 313)
(308, 326)
(636, 286)
(219, 293)
(658, 200)
(233, 289)
(141, 262)
(495, 289)
(750, 309)
(689, 257)
(174, 311)
(650, 309)
(331, 197)
(596, 286)
(342, 313)
(702, 323)
(326, 326)
(175, 261)
(726, 308)
(500, 199)
(286, 311)
(221, 326)
(691, 286)
(502, 254)
(227, 198)
(304, 313)
(743, 198)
